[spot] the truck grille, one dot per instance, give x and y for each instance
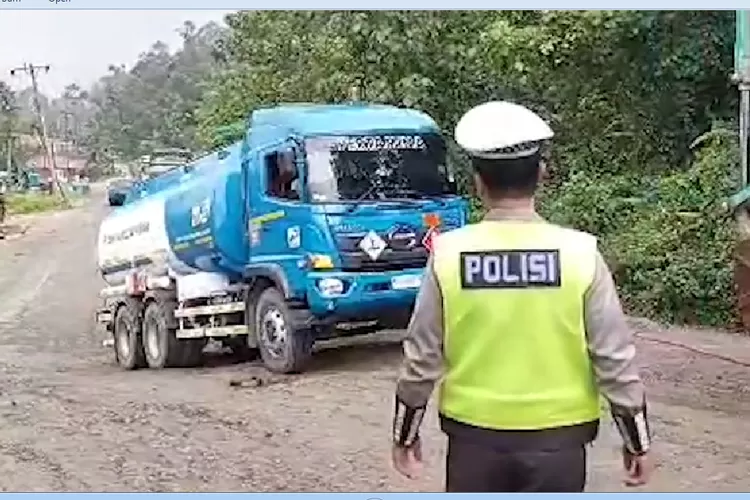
(396, 256)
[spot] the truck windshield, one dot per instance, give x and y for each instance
(383, 167)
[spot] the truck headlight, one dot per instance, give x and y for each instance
(331, 287)
(321, 261)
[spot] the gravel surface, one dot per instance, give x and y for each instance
(72, 421)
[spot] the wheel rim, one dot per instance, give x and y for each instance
(274, 332)
(123, 339)
(150, 332)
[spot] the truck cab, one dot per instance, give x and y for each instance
(343, 201)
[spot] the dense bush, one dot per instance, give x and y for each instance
(668, 239)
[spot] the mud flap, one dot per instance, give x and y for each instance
(104, 317)
(105, 325)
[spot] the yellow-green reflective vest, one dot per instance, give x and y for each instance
(516, 356)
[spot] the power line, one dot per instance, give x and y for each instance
(32, 70)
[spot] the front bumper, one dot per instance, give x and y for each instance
(362, 296)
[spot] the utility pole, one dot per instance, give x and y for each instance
(67, 134)
(9, 154)
(32, 70)
(72, 106)
(8, 108)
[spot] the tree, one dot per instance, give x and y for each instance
(152, 104)
(8, 125)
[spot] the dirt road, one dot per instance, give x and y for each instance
(70, 420)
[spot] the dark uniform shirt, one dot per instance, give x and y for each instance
(610, 344)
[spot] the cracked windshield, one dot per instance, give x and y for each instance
(373, 251)
(377, 167)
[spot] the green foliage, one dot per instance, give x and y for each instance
(228, 134)
(410, 58)
(599, 204)
(667, 238)
(153, 105)
(674, 260)
(8, 125)
(27, 203)
(626, 92)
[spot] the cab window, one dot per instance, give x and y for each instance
(282, 177)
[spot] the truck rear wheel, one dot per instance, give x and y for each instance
(162, 347)
(283, 349)
(127, 337)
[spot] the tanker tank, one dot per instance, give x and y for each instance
(144, 188)
(183, 224)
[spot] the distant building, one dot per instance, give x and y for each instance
(71, 163)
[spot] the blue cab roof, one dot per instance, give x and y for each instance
(342, 119)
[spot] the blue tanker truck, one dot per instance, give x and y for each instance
(317, 224)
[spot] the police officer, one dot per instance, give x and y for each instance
(522, 321)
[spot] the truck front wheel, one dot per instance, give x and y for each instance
(127, 337)
(283, 349)
(162, 347)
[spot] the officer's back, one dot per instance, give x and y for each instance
(521, 320)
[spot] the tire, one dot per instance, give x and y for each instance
(126, 332)
(115, 200)
(160, 344)
(282, 349)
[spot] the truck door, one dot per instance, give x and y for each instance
(277, 215)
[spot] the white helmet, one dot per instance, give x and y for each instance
(501, 130)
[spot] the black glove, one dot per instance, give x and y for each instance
(406, 422)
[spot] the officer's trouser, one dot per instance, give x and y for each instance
(472, 466)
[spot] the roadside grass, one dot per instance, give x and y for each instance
(29, 203)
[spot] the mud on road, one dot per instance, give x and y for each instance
(72, 421)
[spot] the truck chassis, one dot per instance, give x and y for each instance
(148, 326)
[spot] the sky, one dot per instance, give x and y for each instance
(79, 46)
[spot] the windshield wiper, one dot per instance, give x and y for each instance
(353, 204)
(367, 192)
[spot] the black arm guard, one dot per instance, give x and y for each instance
(634, 429)
(406, 422)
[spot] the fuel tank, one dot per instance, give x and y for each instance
(182, 224)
